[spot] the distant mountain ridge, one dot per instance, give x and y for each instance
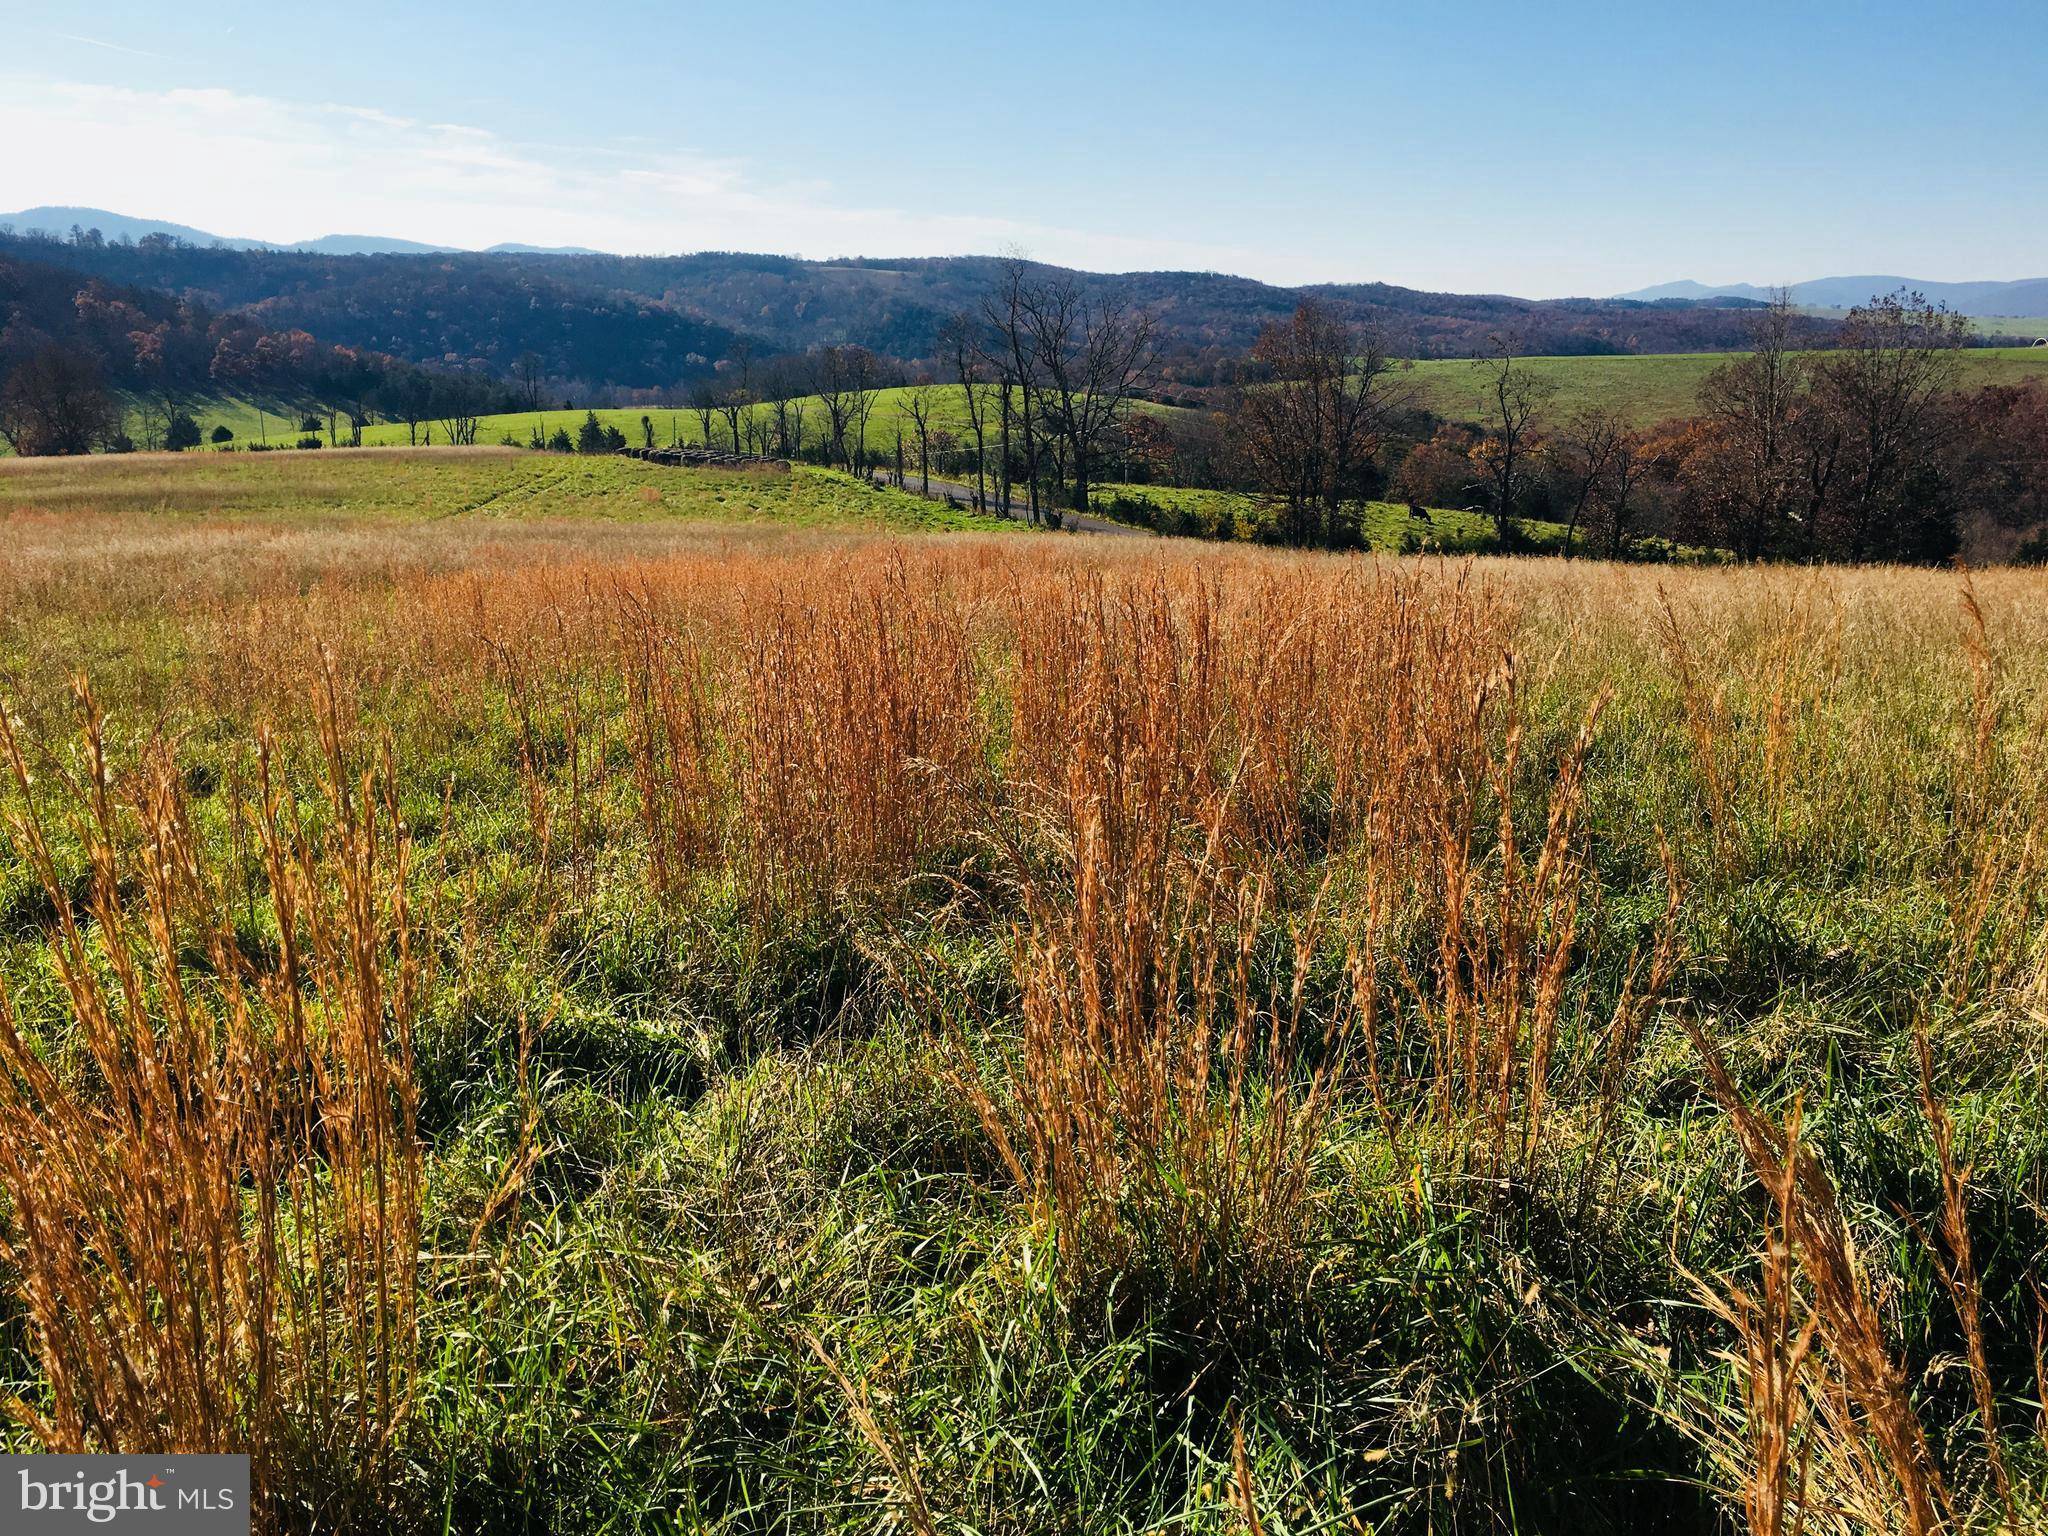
(2019, 297)
(598, 321)
(2022, 296)
(60, 221)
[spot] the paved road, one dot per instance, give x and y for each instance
(1080, 522)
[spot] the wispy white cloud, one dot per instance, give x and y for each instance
(100, 42)
(260, 166)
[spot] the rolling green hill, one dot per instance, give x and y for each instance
(278, 423)
(1649, 389)
(494, 483)
(271, 421)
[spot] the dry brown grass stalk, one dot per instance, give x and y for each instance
(1955, 1263)
(1879, 1463)
(848, 710)
(214, 1191)
(1506, 923)
(1778, 1332)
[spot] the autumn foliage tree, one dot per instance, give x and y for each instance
(1844, 455)
(1743, 470)
(2001, 469)
(1438, 472)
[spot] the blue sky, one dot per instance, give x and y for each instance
(1568, 148)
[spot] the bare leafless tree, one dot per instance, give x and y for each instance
(152, 415)
(920, 402)
(1614, 500)
(1514, 396)
(1014, 358)
(957, 345)
(735, 404)
(835, 399)
(529, 372)
(704, 401)
(736, 393)
(847, 379)
(865, 378)
(408, 397)
(1580, 457)
(460, 400)
(785, 382)
(1093, 354)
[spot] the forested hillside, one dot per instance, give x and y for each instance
(146, 341)
(648, 322)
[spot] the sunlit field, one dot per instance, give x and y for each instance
(1644, 388)
(492, 484)
(561, 994)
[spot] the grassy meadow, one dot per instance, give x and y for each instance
(361, 487)
(532, 1006)
(2025, 329)
(278, 423)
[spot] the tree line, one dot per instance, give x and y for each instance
(1047, 369)
(1867, 450)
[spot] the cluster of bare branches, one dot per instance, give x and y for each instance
(1050, 368)
(1310, 415)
